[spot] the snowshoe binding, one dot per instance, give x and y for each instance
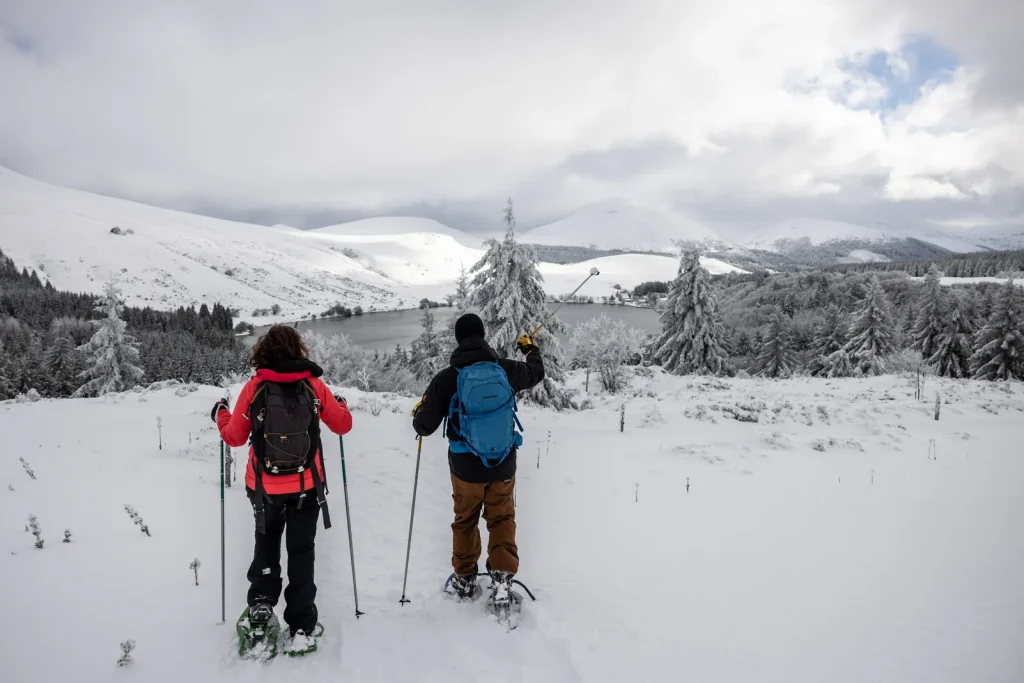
(462, 586)
(258, 631)
(300, 643)
(505, 602)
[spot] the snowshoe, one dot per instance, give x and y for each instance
(462, 586)
(258, 632)
(505, 602)
(300, 643)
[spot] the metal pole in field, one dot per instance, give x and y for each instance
(412, 517)
(223, 595)
(348, 521)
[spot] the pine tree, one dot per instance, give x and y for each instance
(873, 334)
(776, 357)
(111, 353)
(931, 314)
(830, 336)
(461, 302)
(955, 346)
(62, 365)
(427, 355)
(508, 293)
(692, 336)
(1000, 343)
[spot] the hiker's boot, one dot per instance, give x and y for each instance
(260, 615)
(501, 588)
(464, 586)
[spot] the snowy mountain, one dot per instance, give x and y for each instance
(401, 225)
(619, 225)
(814, 540)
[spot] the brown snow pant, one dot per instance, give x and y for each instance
(498, 505)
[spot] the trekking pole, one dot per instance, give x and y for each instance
(412, 516)
(593, 272)
(223, 596)
(348, 521)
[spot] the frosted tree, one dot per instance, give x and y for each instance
(831, 335)
(461, 302)
(427, 355)
(873, 333)
(776, 358)
(955, 344)
(692, 338)
(931, 314)
(605, 345)
(111, 354)
(507, 291)
(1000, 342)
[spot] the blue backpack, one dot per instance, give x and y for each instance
(486, 408)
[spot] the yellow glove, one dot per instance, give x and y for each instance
(525, 344)
(416, 408)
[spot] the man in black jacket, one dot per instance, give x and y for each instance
(476, 487)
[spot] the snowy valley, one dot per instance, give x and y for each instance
(736, 530)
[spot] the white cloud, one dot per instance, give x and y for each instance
(329, 104)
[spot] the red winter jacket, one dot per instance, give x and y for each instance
(235, 429)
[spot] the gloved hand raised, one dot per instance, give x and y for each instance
(525, 344)
(418, 407)
(217, 407)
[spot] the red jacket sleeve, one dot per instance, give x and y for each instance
(333, 414)
(234, 426)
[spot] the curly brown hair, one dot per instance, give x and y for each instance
(280, 343)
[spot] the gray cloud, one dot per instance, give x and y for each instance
(323, 111)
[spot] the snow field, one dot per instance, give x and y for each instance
(783, 562)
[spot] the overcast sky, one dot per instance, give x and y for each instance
(732, 111)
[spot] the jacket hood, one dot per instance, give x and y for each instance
(290, 370)
(472, 350)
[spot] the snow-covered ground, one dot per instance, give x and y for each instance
(817, 541)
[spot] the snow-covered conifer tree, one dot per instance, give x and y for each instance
(931, 314)
(111, 354)
(831, 335)
(62, 365)
(692, 335)
(1000, 342)
(508, 293)
(461, 303)
(427, 356)
(873, 333)
(955, 345)
(776, 357)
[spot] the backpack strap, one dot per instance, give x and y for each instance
(257, 407)
(319, 484)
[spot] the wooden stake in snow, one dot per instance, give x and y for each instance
(637, 499)
(622, 418)
(538, 457)
(933, 450)
(160, 431)
(194, 566)
(687, 484)
(872, 477)
(938, 405)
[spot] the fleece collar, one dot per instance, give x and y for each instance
(290, 371)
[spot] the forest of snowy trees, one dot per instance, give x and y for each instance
(819, 323)
(59, 343)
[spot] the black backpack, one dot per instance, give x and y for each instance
(285, 438)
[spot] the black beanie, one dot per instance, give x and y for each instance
(468, 326)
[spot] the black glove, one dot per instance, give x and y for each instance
(341, 400)
(217, 407)
(525, 345)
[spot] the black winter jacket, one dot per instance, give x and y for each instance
(438, 398)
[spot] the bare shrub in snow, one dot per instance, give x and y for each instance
(137, 519)
(194, 566)
(376, 406)
(28, 469)
(67, 535)
(605, 345)
(126, 652)
(33, 526)
(904, 362)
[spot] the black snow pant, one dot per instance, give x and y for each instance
(299, 528)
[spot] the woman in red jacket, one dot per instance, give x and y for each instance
(284, 476)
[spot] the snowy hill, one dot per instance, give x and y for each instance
(401, 225)
(169, 258)
(627, 270)
(619, 225)
(737, 530)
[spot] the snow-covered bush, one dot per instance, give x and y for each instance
(126, 650)
(605, 345)
(347, 364)
(903, 361)
(30, 396)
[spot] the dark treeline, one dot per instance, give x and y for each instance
(978, 264)
(41, 329)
